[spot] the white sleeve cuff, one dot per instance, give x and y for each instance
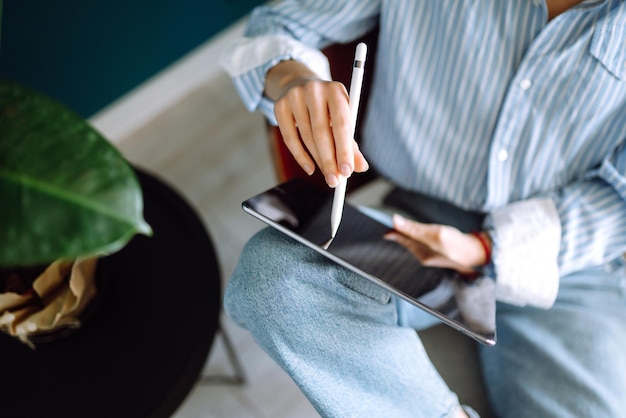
(245, 54)
(528, 240)
(247, 60)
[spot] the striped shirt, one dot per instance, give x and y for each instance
(490, 106)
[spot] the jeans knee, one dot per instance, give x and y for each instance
(256, 288)
(278, 280)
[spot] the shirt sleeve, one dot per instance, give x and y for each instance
(581, 226)
(292, 30)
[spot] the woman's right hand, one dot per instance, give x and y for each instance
(314, 119)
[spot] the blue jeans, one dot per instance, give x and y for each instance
(352, 348)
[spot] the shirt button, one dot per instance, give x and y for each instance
(525, 84)
(537, 2)
(503, 155)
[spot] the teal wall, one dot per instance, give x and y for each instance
(87, 53)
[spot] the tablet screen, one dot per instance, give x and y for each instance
(303, 211)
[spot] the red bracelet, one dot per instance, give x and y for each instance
(485, 244)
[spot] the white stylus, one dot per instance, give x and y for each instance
(355, 96)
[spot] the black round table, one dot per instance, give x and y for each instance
(143, 348)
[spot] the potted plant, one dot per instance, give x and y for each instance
(67, 197)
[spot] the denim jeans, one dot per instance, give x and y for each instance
(352, 347)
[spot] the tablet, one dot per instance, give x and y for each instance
(302, 210)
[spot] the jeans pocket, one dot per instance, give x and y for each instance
(364, 286)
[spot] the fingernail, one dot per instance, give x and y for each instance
(398, 220)
(346, 170)
(332, 180)
(308, 169)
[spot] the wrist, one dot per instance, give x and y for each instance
(486, 243)
(284, 75)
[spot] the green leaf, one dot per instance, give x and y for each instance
(65, 191)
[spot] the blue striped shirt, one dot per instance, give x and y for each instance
(487, 103)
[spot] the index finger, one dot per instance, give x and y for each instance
(339, 111)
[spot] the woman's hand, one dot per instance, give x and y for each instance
(440, 245)
(314, 119)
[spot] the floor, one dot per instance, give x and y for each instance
(215, 153)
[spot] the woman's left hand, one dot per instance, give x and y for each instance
(437, 245)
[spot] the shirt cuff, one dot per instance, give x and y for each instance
(247, 61)
(527, 238)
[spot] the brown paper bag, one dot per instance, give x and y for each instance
(56, 301)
